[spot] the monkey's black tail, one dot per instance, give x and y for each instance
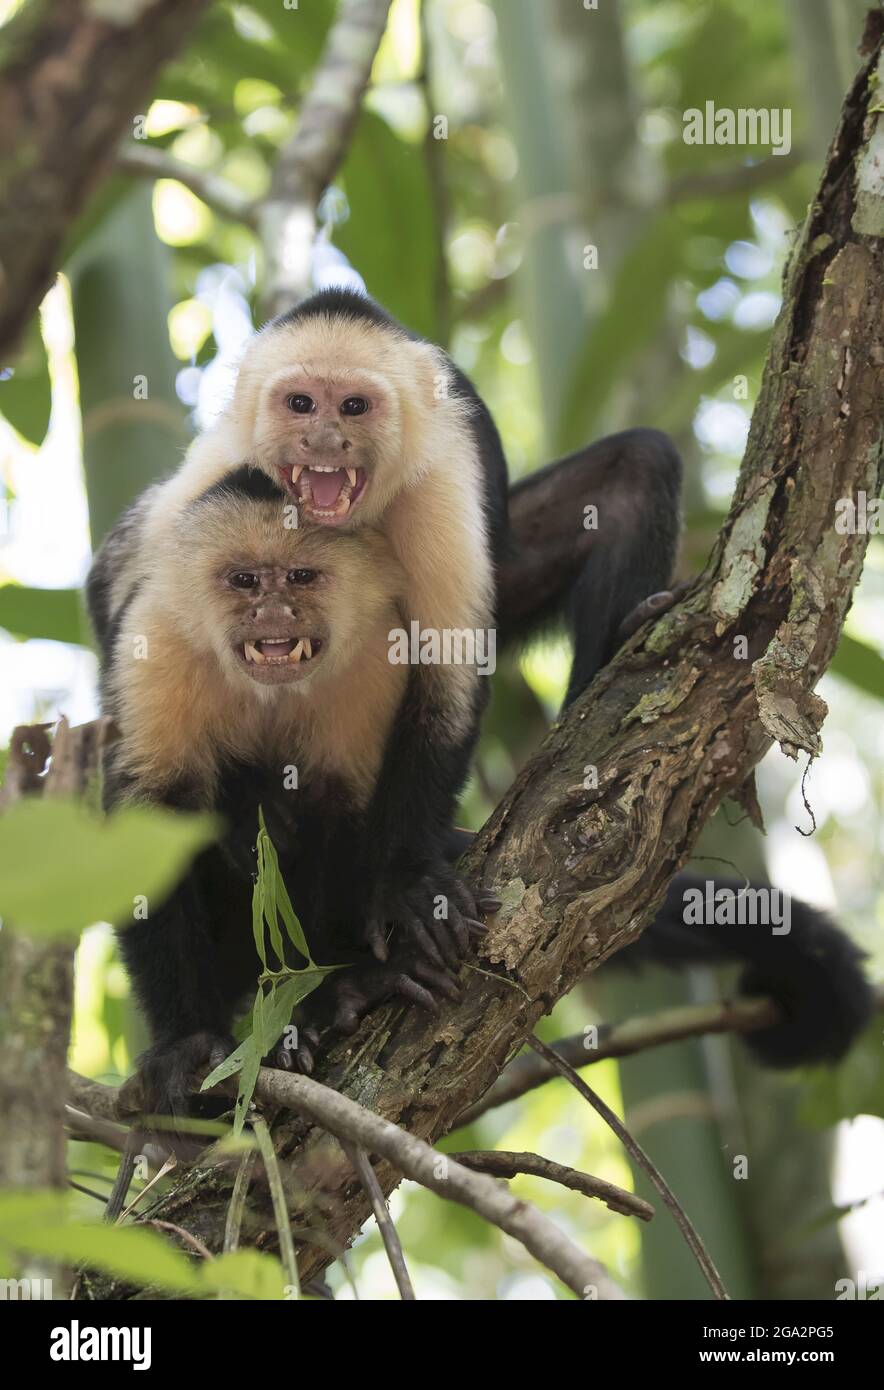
(791, 952)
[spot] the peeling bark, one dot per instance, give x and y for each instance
(673, 725)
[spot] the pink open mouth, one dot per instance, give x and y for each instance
(327, 494)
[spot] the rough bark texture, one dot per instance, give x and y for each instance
(678, 721)
(71, 78)
(37, 984)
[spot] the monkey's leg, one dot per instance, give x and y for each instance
(594, 534)
(173, 962)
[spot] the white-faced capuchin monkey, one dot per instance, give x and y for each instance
(249, 666)
(376, 442)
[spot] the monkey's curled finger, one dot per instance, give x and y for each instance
(443, 939)
(464, 898)
(439, 979)
(408, 988)
(458, 927)
(376, 936)
(413, 924)
(651, 607)
(486, 901)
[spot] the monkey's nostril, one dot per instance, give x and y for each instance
(346, 445)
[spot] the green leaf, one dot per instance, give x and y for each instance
(62, 868)
(247, 1078)
(248, 1273)
(258, 918)
(26, 395)
(229, 1067)
(38, 1224)
(292, 924)
(54, 614)
(390, 234)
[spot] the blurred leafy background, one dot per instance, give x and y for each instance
(498, 141)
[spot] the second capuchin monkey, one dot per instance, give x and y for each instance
(248, 665)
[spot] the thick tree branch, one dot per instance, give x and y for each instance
(71, 77)
(308, 163)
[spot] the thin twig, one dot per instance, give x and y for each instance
(530, 1070)
(734, 178)
(233, 1224)
(280, 1206)
(193, 1241)
(637, 1153)
(147, 161)
(117, 1199)
(500, 1163)
(414, 1158)
(389, 1235)
(88, 1191)
(170, 1163)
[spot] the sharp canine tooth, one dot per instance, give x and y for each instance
(295, 654)
(342, 507)
(351, 474)
(252, 653)
(308, 648)
(297, 471)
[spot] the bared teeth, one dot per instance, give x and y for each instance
(351, 475)
(308, 648)
(297, 651)
(252, 653)
(342, 507)
(297, 471)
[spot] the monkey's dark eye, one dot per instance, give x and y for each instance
(301, 576)
(354, 405)
(244, 580)
(300, 405)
